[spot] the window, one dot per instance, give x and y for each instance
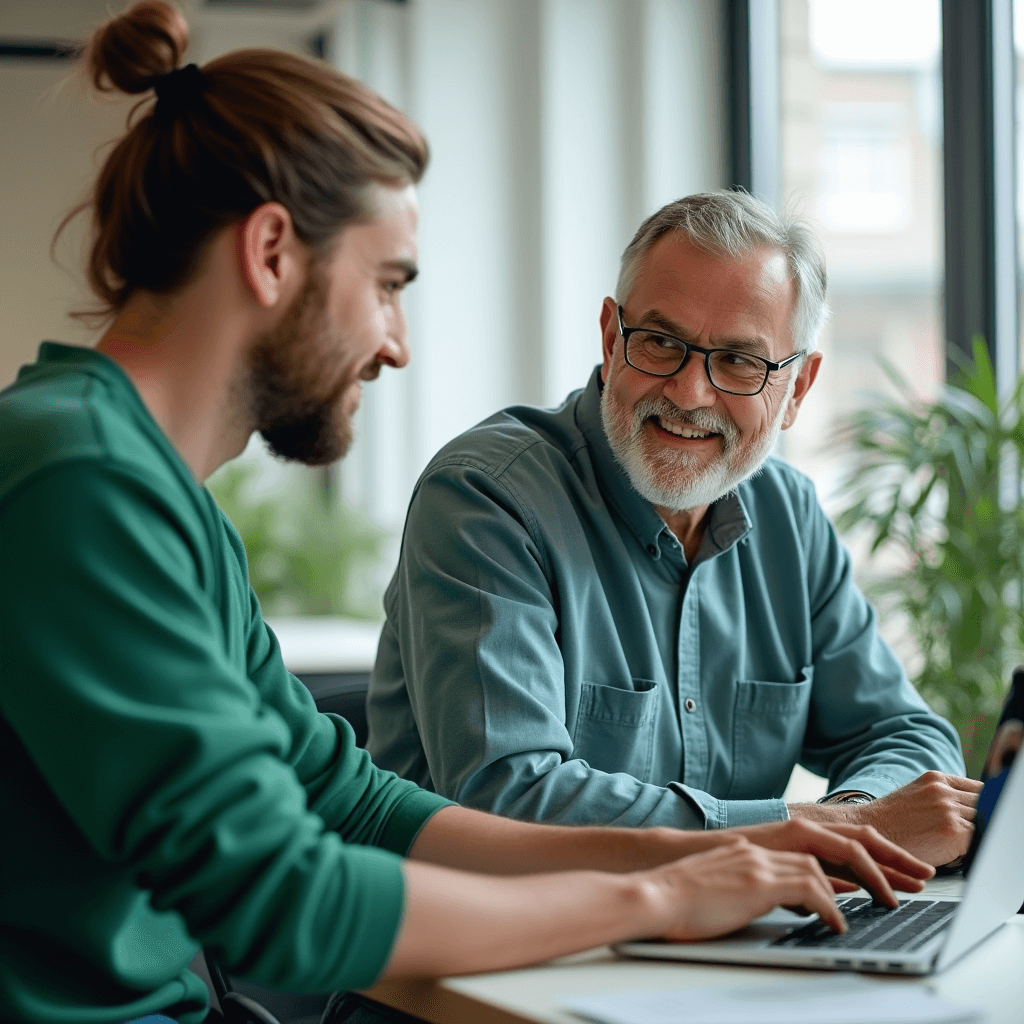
(861, 159)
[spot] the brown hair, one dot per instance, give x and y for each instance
(255, 126)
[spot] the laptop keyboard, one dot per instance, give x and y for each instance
(900, 929)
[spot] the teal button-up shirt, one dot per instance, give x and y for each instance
(550, 655)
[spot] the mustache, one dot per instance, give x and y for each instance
(699, 419)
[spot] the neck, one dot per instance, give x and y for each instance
(688, 525)
(185, 356)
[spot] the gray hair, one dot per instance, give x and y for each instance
(727, 223)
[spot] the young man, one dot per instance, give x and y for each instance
(165, 784)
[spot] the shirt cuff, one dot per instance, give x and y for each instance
(407, 819)
(730, 813)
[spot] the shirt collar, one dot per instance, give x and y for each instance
(728, 522)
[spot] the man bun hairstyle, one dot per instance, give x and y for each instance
(732, 224)
(130, 51)
(250, 127)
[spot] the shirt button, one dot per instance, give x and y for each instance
(652, 549)
(690, 704)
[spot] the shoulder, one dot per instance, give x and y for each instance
(74, 439)
(779, 482)
(55, 417)
(520, 440)
(45, 421)
(782, 507)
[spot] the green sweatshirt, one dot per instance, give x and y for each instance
(165, 783)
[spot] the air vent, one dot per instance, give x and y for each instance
(38, 49)
(297, 6)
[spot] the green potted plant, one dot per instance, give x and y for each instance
(307, 555)
(935, 486)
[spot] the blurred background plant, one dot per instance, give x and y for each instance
(934, 486)
(308, 554)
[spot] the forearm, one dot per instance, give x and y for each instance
(461, 923)
(824, 813)
(457, 837)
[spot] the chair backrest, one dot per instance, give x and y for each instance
(244, 1002)
(342, 693)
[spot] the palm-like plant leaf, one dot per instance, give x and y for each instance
(928, 482)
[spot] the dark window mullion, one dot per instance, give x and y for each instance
(754, 57)
(978, 160)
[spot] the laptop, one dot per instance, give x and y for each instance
(922, 935)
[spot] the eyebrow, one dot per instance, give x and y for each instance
(657, 320)
(409, 268)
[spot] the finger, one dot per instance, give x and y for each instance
(821, 894)
(841, 885)
(896, 879)
(887, 853)
(856, 864)
(792, 879)
(902, 882)
(964, 798)
(964, 785)
(879, 888)
(819, 899)
(847, 858)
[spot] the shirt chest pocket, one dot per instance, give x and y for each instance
(769, 722)
(615, 727)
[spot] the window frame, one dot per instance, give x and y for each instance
(980, 292)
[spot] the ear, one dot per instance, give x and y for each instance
(805, 378)
(609, 334)
(271, 260)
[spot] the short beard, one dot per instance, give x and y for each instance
(294, 387)
(670, 479)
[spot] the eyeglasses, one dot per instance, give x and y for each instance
(728, 369)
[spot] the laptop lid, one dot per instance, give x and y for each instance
(995, 886)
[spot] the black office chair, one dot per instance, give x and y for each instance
(341, 693)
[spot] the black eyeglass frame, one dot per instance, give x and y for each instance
(770, 365)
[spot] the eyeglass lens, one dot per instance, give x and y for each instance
(729, 370)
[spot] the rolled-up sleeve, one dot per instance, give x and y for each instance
(868, 728)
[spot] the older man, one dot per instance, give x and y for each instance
(623, 611)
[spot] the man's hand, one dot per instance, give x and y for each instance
(1009, 738)
(851, 855)
(931, 817)
(722, 889)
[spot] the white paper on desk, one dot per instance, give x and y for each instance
(837, 999)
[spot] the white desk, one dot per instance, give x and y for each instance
(991, 976)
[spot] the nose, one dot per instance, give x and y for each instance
(689, 387)
(395, 351)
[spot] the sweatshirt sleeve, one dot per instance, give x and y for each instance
(166, 757)
(868, 729)
(360, 801)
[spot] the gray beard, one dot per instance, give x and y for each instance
(673, 480)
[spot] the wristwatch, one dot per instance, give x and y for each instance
(847, 798)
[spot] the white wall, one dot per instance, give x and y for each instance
(49, 136)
